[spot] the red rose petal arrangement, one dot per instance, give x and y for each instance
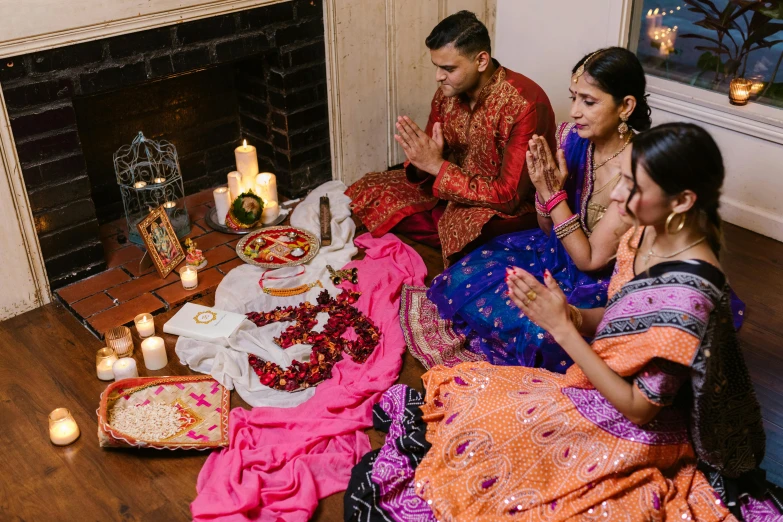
(328, 345)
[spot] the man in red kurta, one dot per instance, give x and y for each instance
(482, 118)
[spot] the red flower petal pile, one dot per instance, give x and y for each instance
(328, 345)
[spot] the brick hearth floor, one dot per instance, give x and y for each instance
(119, 294)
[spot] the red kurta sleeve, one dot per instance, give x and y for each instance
(414, 175)
(505, 191)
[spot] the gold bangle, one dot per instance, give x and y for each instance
(576, 316)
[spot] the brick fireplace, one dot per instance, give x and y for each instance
(204, 85)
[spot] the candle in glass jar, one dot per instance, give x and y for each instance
(139, 184)
(270, 212)
(154, 352)
(234, 184)
(104, 360)
(247, 165)
(189, 276)
(222, 202)
(125, 368)
(159, 180)
(62, 428)
(145, 325)
(266, 187)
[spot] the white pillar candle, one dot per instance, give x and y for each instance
(62, 428)
(189, 276)
(125, 368)
(104, 360)
(145, 325)
(154, 352)
(247, 164)
(222, 202)
(234, 184)
(270, 213)
(266, 187)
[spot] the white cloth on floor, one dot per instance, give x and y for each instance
(240, 292)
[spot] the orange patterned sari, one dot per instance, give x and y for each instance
(516, 443)
(486, 175)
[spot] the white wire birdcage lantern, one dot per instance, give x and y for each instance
(149, 177)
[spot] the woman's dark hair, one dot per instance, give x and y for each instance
(683, 156)
(464, 30)
(618, 72)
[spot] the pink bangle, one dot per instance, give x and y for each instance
(555, 200)
(540, 208)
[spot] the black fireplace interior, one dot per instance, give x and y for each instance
(205, 85)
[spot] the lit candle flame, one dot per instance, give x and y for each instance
(244, 143)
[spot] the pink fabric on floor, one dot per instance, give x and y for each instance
(281, 461)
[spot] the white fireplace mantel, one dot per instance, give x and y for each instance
(377, 67)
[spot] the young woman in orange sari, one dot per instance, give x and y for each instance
(657, 404)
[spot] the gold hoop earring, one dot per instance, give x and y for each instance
(623, 127)
(669, 222)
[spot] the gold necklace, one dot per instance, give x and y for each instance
(650, 253)
(294, 290)
(613, 156)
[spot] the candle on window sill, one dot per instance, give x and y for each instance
(159, 180)
(739, 91)
(189, 276)
(154, 352)
(145, 325)
(222, 202)
(757, 84)
(63, 430)
(104, 360)
(125, 368)
(247, 165)
(139, 184)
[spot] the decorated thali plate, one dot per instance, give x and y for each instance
(278, 247)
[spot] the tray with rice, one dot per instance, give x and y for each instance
(181, 412)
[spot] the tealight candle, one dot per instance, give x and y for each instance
(145, 325)
(247, 164)
(139, 184)
(189, 276)
(222, 202)
(234, 184)
(270, 212)
(266, 187)
(62, 428)
(104, 360)
(169, 205)
(125, 368)
(154, 352)
(159, 180)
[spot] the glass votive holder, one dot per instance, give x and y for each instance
(104, 360)
(757, 84)
(159, 180)
(145, 325)
(189, 277)
(119, 339)
(63, 430)
(739, 91)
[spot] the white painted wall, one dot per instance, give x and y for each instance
(543, 40)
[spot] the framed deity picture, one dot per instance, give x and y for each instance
(161, 241)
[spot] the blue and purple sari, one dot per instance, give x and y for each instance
(472, 294)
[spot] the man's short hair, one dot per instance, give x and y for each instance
(466, 32)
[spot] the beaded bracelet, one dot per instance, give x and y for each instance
(540, 208)
(555, 200)
(567, 227)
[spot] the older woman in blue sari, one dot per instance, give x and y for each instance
(607, 90)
